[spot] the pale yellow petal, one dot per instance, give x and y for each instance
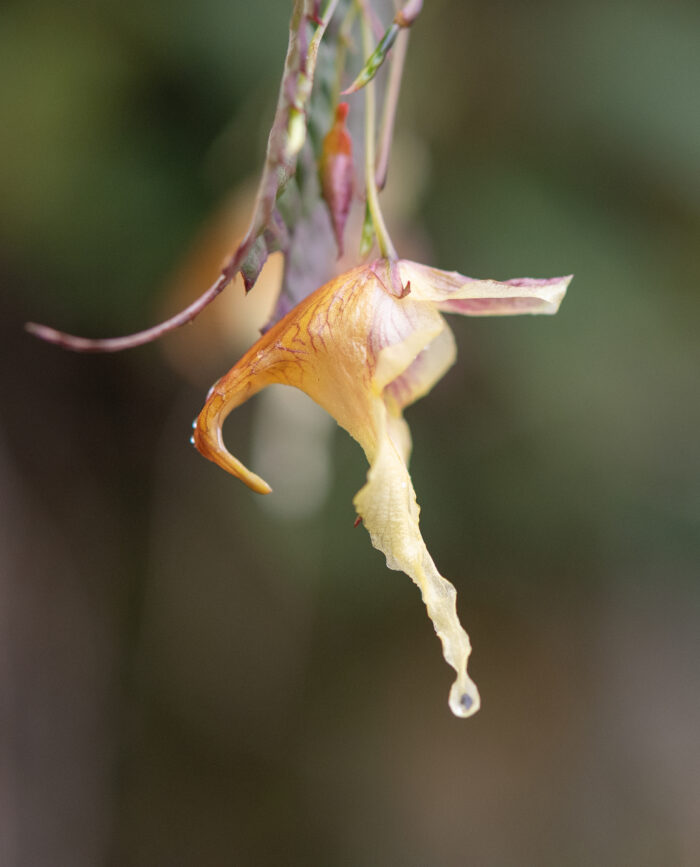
(454, 293)
(401, 329)
(427, 368)
(388, 507)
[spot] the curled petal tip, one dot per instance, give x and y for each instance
(208, 440)
(209, 444)
(255, 483)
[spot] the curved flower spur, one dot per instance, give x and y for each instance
(364, 353)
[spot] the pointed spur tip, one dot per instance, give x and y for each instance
(214, 450)
(255, 483)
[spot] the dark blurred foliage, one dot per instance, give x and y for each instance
(187, 679)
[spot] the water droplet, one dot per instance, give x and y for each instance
(466, 701)
(192, 440)
(464, 698)
(194, 423)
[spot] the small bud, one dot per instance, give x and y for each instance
(336, 170)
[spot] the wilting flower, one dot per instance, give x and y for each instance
(364, 351)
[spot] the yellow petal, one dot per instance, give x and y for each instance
(427, 368)
(388, 507)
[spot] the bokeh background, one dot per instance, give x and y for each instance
(190, 676)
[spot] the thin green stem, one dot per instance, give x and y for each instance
(391, 99)
(386, 247)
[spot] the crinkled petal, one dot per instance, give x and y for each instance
(454, 293)
(388, 507)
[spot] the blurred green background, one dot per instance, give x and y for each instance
(191, 678)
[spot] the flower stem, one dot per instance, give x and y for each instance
(323, 22)
(344, 42)
(391, 99)
(386, 247)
